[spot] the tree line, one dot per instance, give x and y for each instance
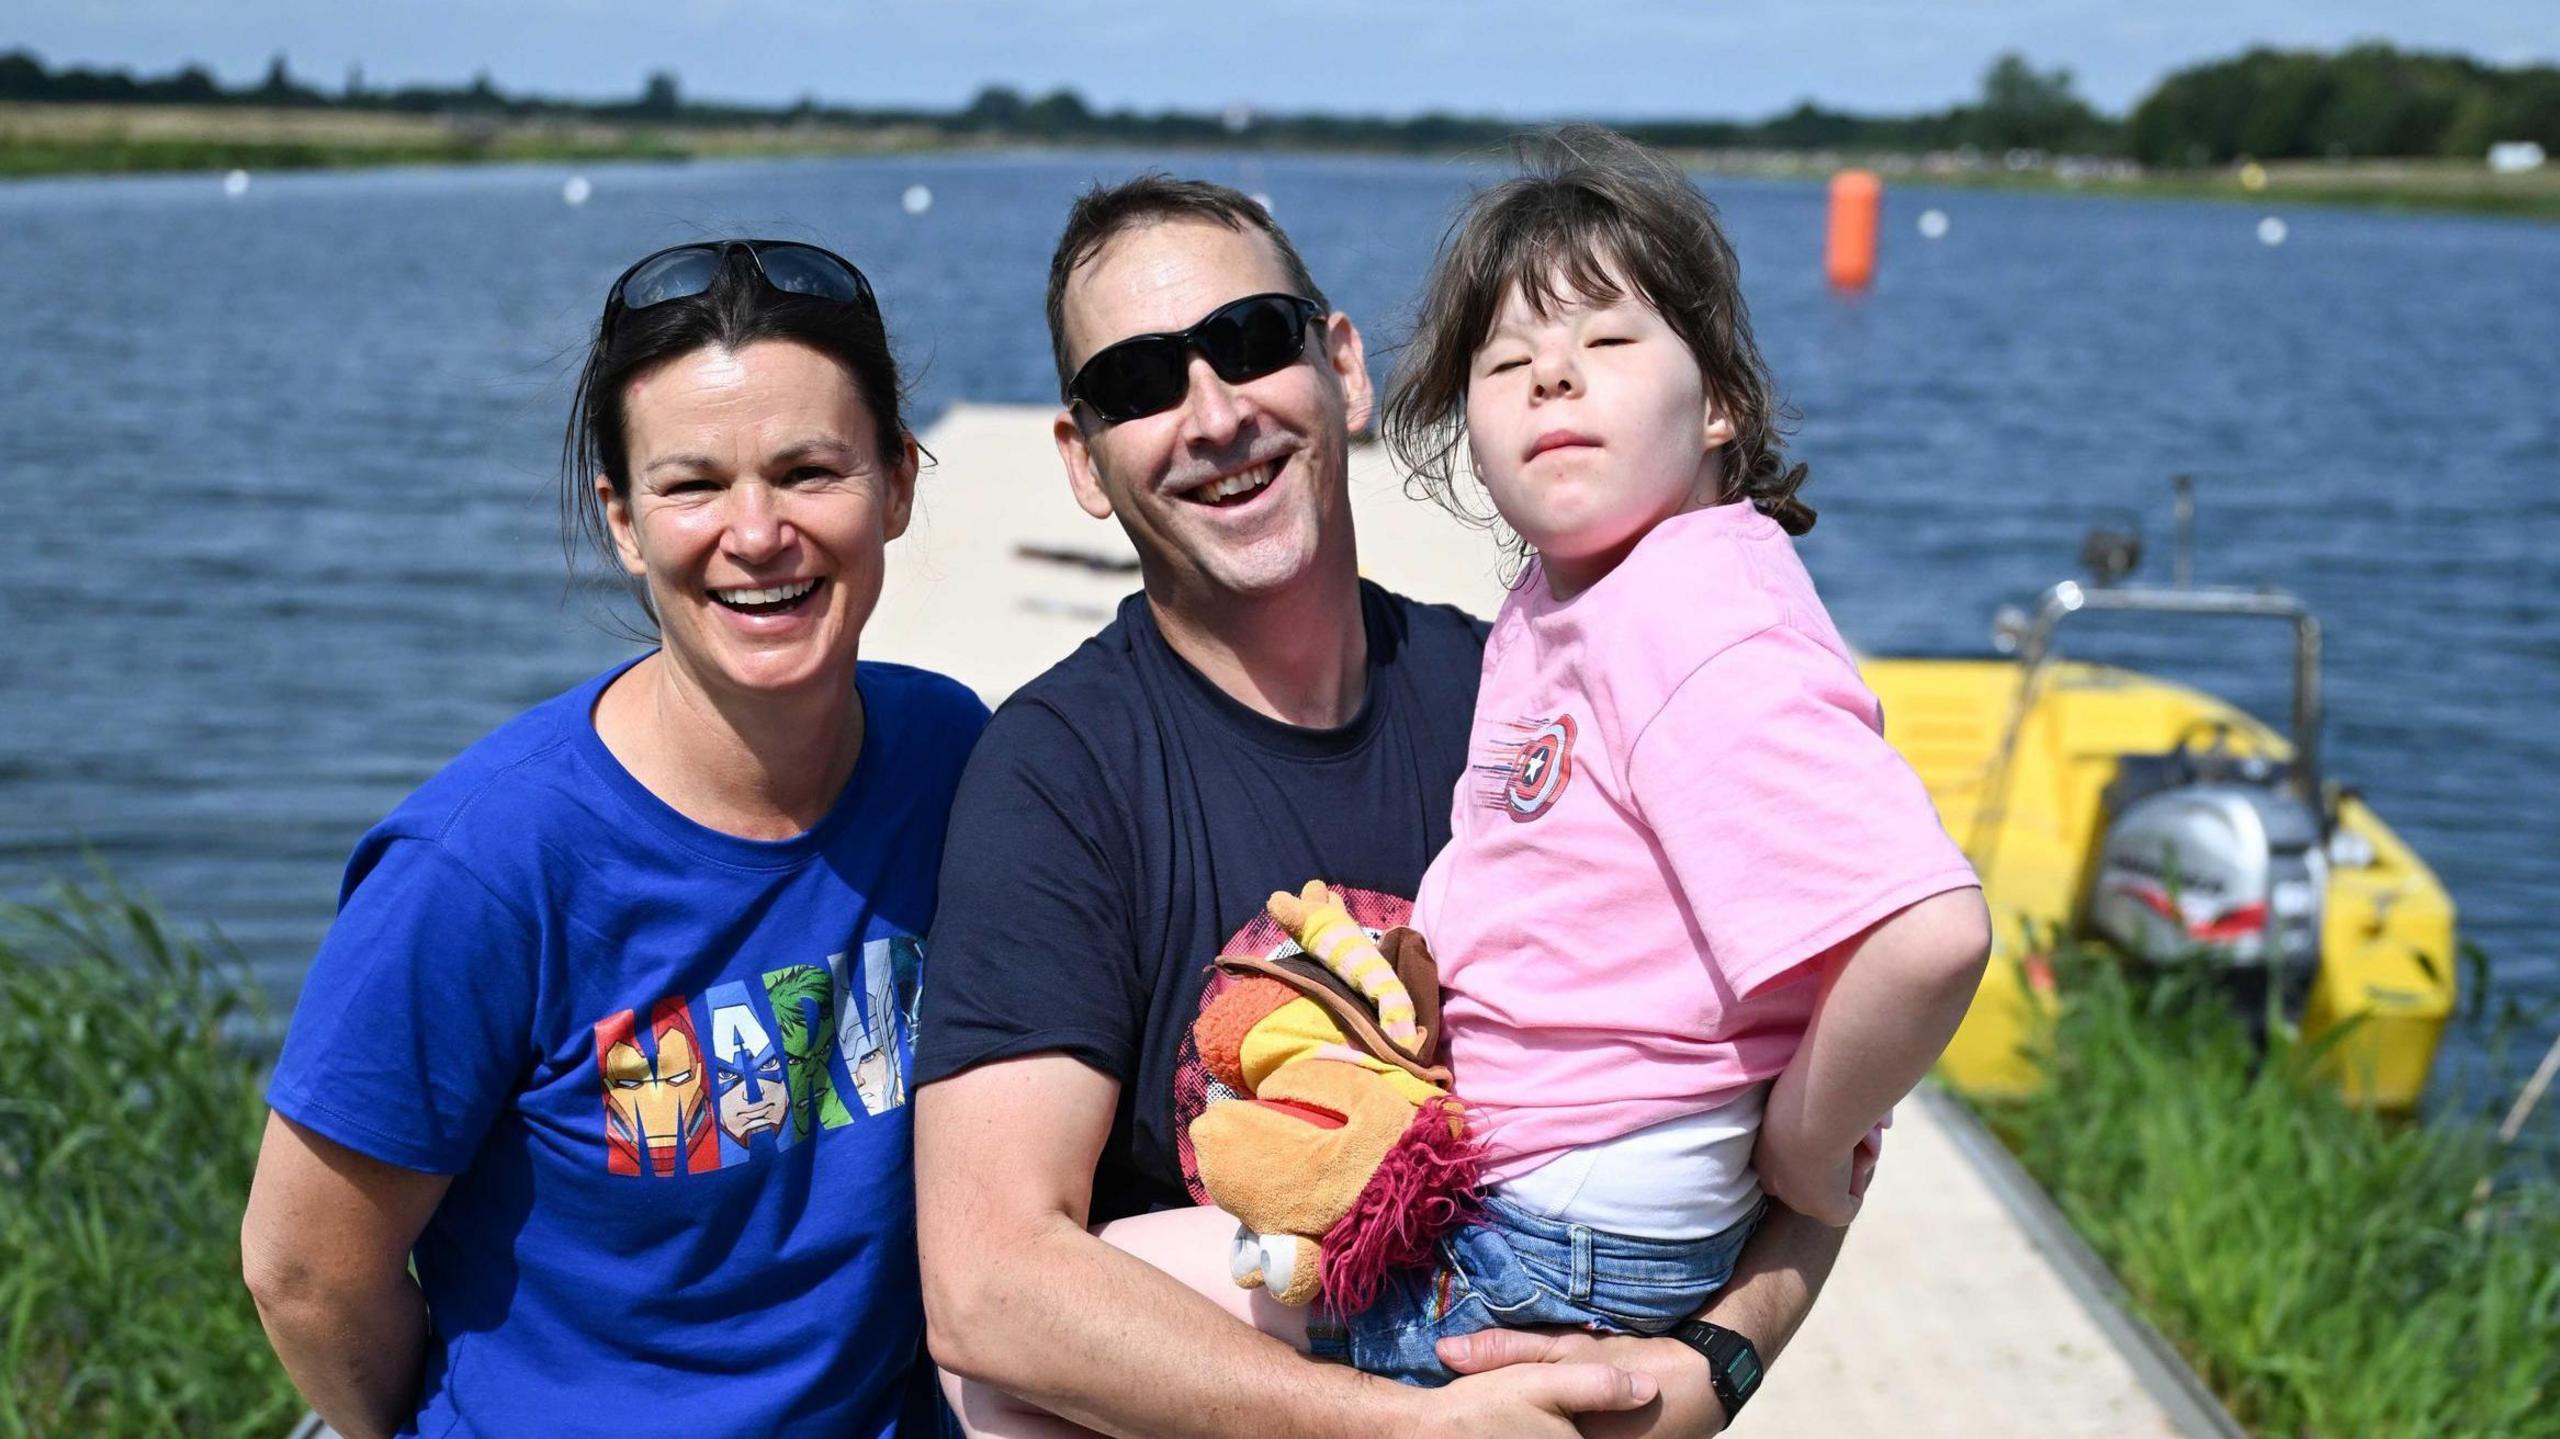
(2370, 100)
(2367, 101)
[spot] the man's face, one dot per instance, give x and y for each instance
(1238, 491)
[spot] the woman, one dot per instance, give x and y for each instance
(611, 1031)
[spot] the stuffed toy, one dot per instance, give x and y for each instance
(1344, 1155)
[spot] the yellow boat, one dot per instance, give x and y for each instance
(2098, 802)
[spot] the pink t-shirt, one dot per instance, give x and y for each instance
(1678, 797)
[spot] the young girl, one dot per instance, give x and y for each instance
(1698, 925)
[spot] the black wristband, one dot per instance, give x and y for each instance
(1733, 1366)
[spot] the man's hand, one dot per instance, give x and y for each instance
(1532, 1391)
(1771, 1291)
(1666, 1370)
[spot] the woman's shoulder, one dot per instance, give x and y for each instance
(933, 719)
(921, 728)
(915, 692)
(508, 786)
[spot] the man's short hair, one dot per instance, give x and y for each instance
(1154, 198)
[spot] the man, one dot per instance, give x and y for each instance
(1256, 717)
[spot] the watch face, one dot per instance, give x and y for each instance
(1742, 1369)
(1732, 1364)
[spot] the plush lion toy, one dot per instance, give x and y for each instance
(1345, 1155)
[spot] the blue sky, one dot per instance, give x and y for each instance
(1520, 58)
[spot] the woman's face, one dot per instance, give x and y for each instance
(758, 506)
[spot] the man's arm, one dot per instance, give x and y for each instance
(324, 1248)
(1021, 1297)
(1774, 1284)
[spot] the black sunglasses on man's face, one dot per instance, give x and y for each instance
(1148, 374)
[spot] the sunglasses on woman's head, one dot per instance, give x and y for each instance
(1242, 340)
(680, 272)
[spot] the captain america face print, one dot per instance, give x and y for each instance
(746, 1072)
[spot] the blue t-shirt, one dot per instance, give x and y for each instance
(667, 1068)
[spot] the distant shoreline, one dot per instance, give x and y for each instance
(47, 140)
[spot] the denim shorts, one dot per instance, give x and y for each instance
(1512, 1269)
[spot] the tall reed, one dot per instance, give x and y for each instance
(2326, 1270)
(128, 1128)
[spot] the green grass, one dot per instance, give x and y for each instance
(128, 1130)
(2326, 1271)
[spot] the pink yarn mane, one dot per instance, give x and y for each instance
(1425, 1187)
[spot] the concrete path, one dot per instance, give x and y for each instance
(1956, 1309)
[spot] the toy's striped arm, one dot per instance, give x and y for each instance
(1317, 919)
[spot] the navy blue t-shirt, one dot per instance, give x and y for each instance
(1120, 827)
(667, 1067)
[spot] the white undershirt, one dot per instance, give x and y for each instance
(1684, 1178)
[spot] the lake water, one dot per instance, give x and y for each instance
(280, 469)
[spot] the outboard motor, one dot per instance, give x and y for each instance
(2209, 853)
(2206, 853)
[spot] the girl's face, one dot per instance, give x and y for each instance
(1590, 425)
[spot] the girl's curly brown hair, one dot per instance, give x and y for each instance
(1591, 214)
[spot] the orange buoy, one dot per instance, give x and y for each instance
(1857, 204)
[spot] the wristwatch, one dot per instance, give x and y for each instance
(1733, 1366)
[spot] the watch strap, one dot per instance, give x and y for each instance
(1733, 1366)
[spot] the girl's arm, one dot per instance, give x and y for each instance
(1888, 1006)
(324, 1248)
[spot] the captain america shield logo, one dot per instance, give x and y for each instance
(1540, 768)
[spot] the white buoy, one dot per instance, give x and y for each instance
(2515, 157)
(916, 201)
(236, 184)
(2271, 231)
(1261, 199)
(1933, 224)
(577, 190)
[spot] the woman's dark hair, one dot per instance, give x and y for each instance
(738, 310)
(1591, 214)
